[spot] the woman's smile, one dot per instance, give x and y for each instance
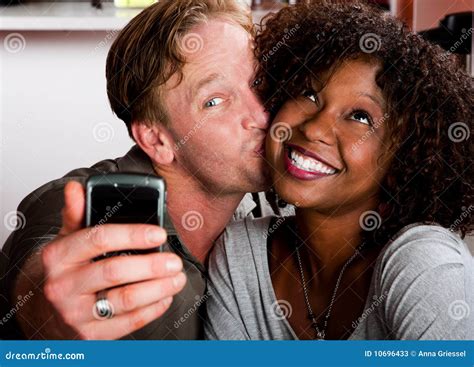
(305, 165)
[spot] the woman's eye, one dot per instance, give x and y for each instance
(362, 117)
(213, 102)
(256, 82)
(311, 95)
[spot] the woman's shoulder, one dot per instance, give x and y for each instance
(425, 275)
(424, 256)
(426, 244)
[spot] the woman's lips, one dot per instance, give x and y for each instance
(309, 154)
(299, 172)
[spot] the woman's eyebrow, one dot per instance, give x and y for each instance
(377, 100)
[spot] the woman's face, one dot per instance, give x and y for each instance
(327, 158)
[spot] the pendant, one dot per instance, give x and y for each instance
(319, 335)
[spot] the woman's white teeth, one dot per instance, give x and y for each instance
(310, 164)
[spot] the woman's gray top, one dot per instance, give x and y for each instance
(422, 288)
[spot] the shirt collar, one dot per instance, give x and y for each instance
(245, 207)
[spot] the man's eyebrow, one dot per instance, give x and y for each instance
(207, 80)
(377, 101)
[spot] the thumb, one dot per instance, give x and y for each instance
(74, 208)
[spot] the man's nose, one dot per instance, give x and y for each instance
(257, 117)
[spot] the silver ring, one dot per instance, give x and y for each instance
(103, 308)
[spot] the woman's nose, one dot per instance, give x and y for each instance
(321, 127)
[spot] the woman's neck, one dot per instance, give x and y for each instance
(330, 240)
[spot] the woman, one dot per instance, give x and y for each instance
(370, 142)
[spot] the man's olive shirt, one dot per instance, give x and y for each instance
(42, 221)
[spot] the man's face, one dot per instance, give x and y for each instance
(216, 120)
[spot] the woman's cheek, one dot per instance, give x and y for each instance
(362, 159)
(272, 149)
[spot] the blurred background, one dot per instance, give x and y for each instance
(54, 112)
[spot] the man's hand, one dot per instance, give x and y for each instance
(142, 286)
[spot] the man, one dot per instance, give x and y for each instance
(181, 76)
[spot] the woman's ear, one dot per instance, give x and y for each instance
(155, 140)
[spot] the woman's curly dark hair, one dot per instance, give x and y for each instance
(429, 98)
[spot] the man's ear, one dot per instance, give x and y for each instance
(155, 140)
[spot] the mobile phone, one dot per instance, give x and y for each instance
(125, 198)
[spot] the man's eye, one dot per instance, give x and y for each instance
(311, 95)
(213, 102)
(362, 117)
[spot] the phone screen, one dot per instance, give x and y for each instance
(124, 203)
(116, 204)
